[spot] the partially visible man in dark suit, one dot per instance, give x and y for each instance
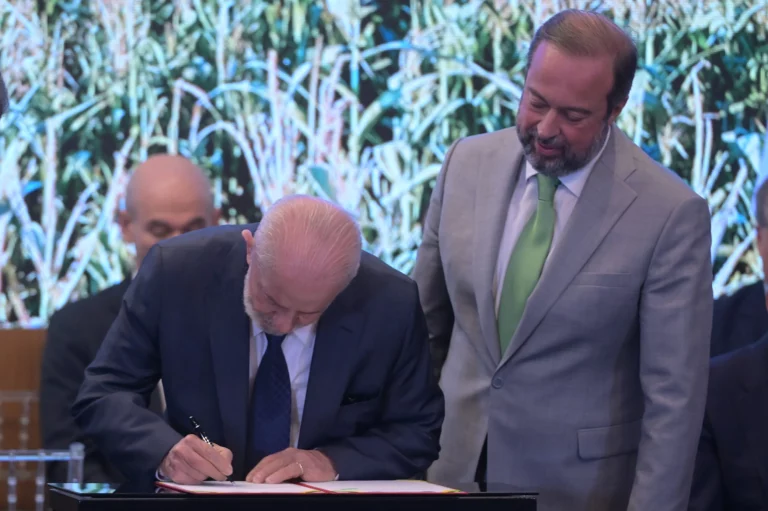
(3, 97)
(742, 318)
(732, 461)
(167, 195)
(300, 356)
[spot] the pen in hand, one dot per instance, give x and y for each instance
(199, 432)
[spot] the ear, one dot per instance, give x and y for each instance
(124, 220)
(215, 216)
(617, 111)
(249, 244)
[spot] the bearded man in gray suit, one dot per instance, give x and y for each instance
(566, 280)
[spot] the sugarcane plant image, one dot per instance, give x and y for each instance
(354, 101)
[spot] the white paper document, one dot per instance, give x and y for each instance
(237, 488)
(400, 486)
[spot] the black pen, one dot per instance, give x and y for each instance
(199, 431)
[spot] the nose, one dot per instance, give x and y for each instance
(549, 126)
(283, 321)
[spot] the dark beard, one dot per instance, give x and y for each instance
(568, 163)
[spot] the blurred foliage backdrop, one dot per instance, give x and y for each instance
(353, 100)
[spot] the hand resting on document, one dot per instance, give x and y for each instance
(293, 464)
(192, 461)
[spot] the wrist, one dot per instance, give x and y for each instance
(329, 462)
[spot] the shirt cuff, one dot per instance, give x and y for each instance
(160, 477)
(321, 451)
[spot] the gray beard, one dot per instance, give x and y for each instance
(564, 165)
(255, 317)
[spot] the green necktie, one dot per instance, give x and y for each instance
(527, 261)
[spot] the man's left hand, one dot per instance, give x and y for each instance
(293, 464)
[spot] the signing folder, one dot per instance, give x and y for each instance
(334, 487)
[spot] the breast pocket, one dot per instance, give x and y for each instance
(354, 418)
(603, 279)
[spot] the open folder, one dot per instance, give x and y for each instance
(332, 487)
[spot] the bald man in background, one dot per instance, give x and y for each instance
(167, 195)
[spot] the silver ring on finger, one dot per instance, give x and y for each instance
(300, 468)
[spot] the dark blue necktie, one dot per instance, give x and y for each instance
(269, 425)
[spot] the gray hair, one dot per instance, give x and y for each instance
(311, 233)
(589, 34)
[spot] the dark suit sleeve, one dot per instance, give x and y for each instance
(707, 489)
(406, 441)
(62, 373)
(112, 406)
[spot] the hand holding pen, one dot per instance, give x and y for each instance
(199, 431)
(194, 459)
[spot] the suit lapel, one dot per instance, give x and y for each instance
(603, 200)
(336, 343)
(495, 186)
(230, 341)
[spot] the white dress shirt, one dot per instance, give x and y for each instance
(523, 205)
(298, 347)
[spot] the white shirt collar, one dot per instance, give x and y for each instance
(303, 334)
(574, 181)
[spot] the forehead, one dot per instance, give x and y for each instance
(164, 202)
(568, 79)
(294, 291)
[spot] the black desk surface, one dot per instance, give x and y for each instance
(146, 497)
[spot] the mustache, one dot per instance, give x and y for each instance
(553, 142)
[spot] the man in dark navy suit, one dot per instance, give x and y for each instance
(3, 97)
(732, 461)
(167, 195)
(742, 318)
(300, 356)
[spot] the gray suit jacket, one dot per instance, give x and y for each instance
(599, 400)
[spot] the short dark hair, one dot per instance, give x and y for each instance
(3, 97)
(590, 34)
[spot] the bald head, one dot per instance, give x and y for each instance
(303, 254)
(309, 237)
(166, 176)
(167, 195)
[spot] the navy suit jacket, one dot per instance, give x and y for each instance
(739, 319)
(75, 334)
(732, 461)
(372, 404)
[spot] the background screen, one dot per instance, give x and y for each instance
(357, 101)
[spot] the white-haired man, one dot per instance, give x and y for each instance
(300, 355)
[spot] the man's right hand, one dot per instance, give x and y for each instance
(192, 461)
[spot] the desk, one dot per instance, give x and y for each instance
(71, 497)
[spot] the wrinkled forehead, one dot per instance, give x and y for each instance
(304, 289)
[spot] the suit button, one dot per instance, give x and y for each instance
(497, 383)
